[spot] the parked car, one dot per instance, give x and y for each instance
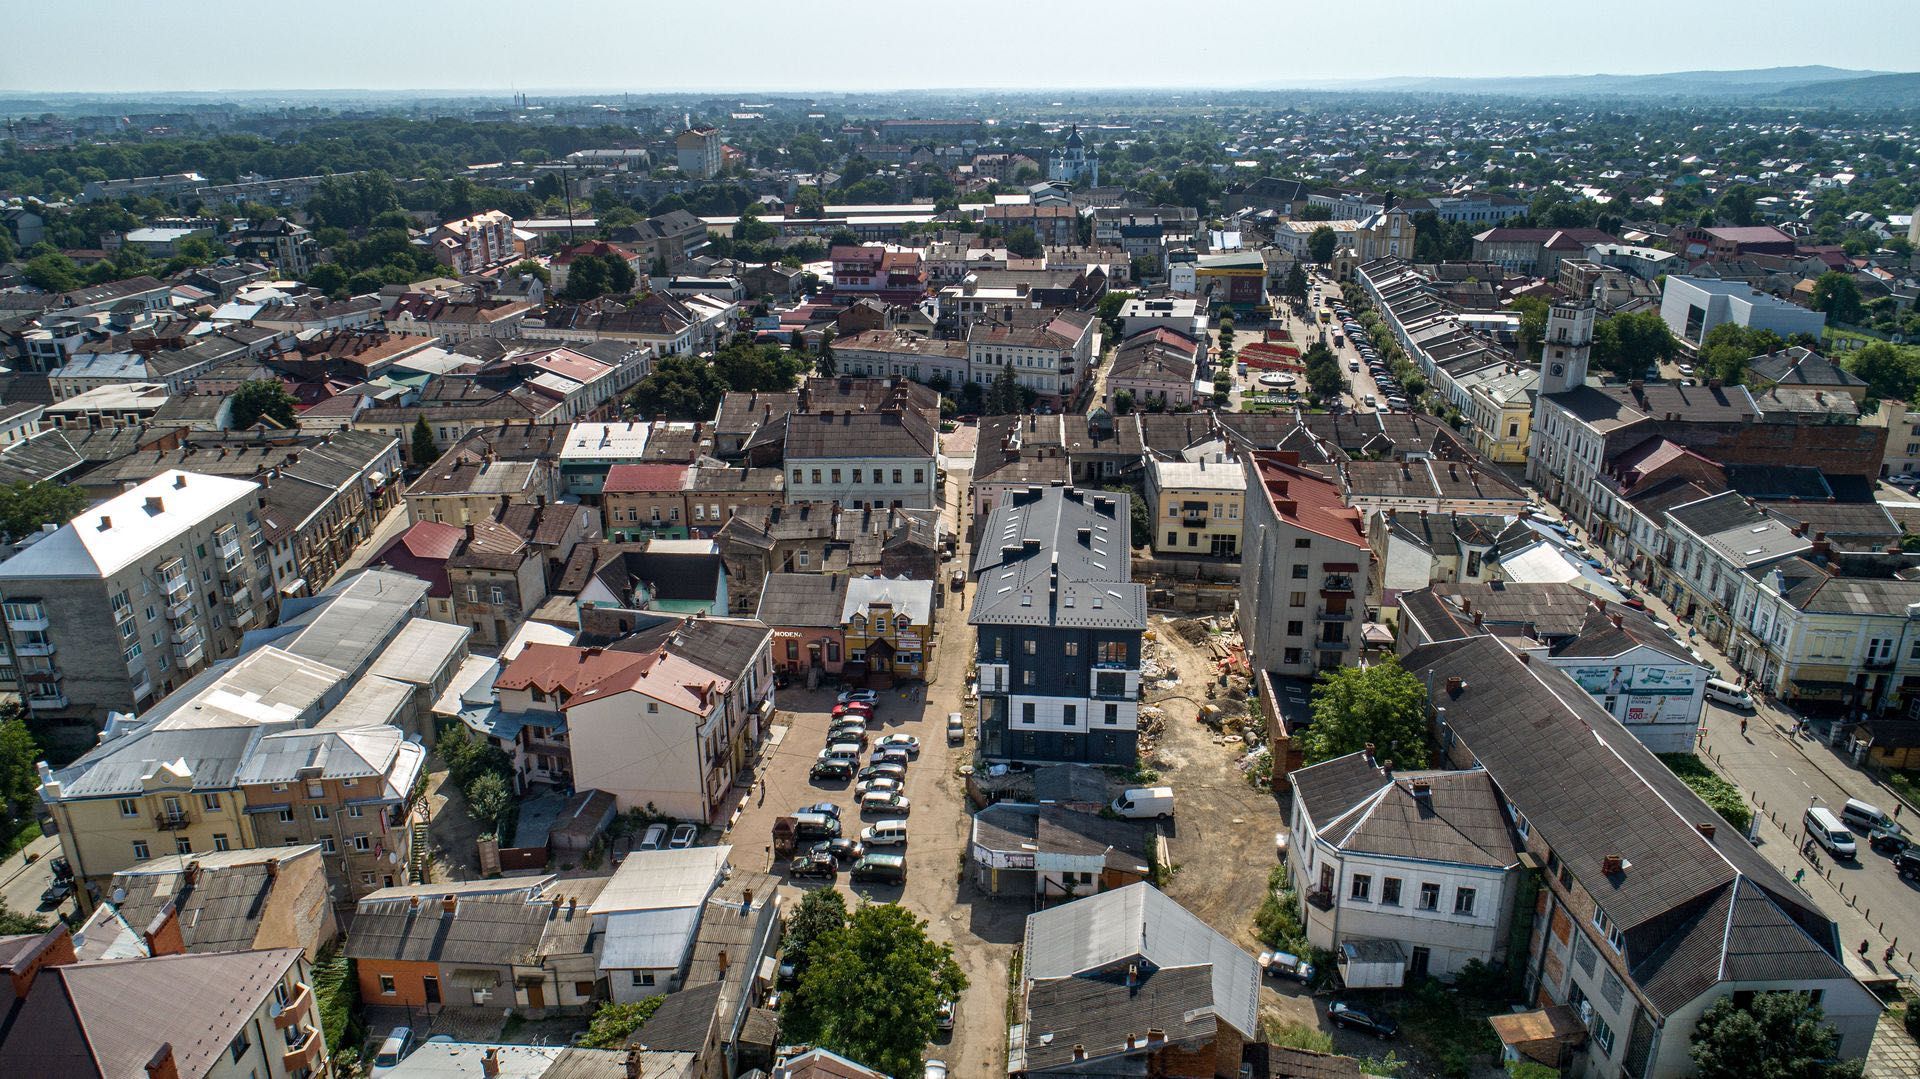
(884, 833)
(827, 808)
(1354, 1017)
(883, 768)
(864, 696)
(885, 801)
(56, 893)
(956, 729)
(849, 733)
(654, 839)
(861, 710)
(684, 836)
(843, 848)
(891, 755)
(392, 1051)
(958, 582)
(1907, 864)
(877, 784)
(884, 868)
(821, 866)
(831, 768)
(943, 1014)
(904, 741)
(1286, 965)
(1889, 841)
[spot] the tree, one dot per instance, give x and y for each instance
(24, 507)
(488, 797)
(1838, 295)
(1226, 333)
(821, 912)
(53, 272)
(1003, 397)
(1726, 349)
(590, 277)
(679, 388)
(1533, 324)
(528, 266)
(1778, 1035)
(259, 397)
(1890, 371)
(1024, 243)
(13, 923)
(872, 990)
(1296, 285)
(1123, 402)
(1627, 345)
(749, 368)
(826, 363)
(19, 778)
(329, 278)
(1320, 244)
(424, 450)
(1109, 309)
(614, 1023)
(1324, 380)
(1383, 704)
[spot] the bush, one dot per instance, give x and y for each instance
(1527, 1069)
(1277, 922)
(337, 994)
(614, 1023)
(1300, 1036)
(1724, 798)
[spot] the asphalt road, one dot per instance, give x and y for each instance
(22, 881)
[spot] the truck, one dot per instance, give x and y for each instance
(1142, 802)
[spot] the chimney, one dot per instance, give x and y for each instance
(192, 874)
(573, 904)
(1466, 602)
(490, 1064)
(1525, 659)
(633, 1061)
(449, 903)
(53, 949)
(1454, 685)
(1156, 1037)
(1079, 1052)
(1421, 788)
(180, 481)
(163, 932)
(413, 904)
(1133, 977)
(746, 900)
(1706, 829)
(154, 505)
(161, 1065)
(1612, 865)
(273, 870)
(721, 961)
(1369, 753)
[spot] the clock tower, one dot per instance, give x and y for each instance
(1567, 345)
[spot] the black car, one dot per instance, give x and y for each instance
(843, 849)
(56, 892)
(1354, 1017)
(1907, 864)
(1888, 840)
(822, 866)
(831, 768)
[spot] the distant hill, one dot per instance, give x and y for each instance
(1781, 85)
(1893, 91)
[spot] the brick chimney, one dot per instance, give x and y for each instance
(1706, 828)
(490, 1064)
(161, 1065)
(634, 1065)
(53, 949)
(449, 903)
(163, 933)
(1613, 865)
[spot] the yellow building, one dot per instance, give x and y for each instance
(1501, 416)
(887, 624)
(167, 809)
(1196, 505)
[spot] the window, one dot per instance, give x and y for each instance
(220, 841)
(1463, 901)
(856, 475)
(816, 475)
(919, 475)
(1300, 573)
(140, 850)
(316, 789)
(1026, 678)
(1296, 599)
(1071, 715)
(653, 706)
(641, 977)
(582, 989)
(1294, 629)
(1362, 888)
(1113, 652)
(1602, 1033)
(362, 843)
(1113, 715)
(1390, 892)
(210, 802)
(1301, 543)
(1031, 646)
(1173, 538)
(1290, 657)
(835, 473)
(386, 985)
(239, 1046)
(183, 845)
(797, 477)
(286, 814)
(1429, 897)
(322, 813)
(129, 807)
(1026, 713)
(1071, 648)
(327, 845)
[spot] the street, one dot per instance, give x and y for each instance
(27, 874)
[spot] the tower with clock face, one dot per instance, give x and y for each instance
(1568, 344)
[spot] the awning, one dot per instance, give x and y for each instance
(1807, 687)
(474, 978)
(1543, 1035)
(294, 585)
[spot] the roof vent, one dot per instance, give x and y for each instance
(1706, 828)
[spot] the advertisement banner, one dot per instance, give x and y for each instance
(1611, 681)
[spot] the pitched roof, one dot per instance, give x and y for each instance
(1435, 816)
(802, 599)
(1304, 498)
(1035, 568)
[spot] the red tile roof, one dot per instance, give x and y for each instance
(643, 479)
(556, 667)
(1306, 499)
(432, 539)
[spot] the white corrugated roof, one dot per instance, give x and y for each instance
(662, 879)
(126, 528)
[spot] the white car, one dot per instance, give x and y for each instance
(864, 696)
(904, 741)
(935, 1069)
(684, 836)
(876, 785)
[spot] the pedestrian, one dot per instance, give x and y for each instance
(1799, 875)
(1864, 945)
(1743, 726)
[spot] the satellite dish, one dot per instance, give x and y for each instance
(393, 857)
(119, 896)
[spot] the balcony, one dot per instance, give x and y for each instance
(189, 655)
(1327, 614)
(45, 676)
(180, 606)
(296, 1006)
(243, 617)
(173, 822)
(142, 685)
(240, 595)
(994, 678)
(176, 583)
(1321, 898)
(1336, 585)
(33, 647)
(187, 633)
(304, 1053)
(47, 702)
(1333, 646)
(1883, 663)
(26, 617)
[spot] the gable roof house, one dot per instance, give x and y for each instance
(1650, 910)
(1130, 982)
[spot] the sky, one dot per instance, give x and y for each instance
(652, 46)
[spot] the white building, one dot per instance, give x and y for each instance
(1692, 306)
(1421, 861)
(1180, 314)
(648, 914)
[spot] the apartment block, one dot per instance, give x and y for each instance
(1308, 564)
(114, 609)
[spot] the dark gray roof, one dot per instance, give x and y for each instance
(684, 1021)
(801, 599)
(1600, 637)
(487, 930)
(1058, 556)
(890, 433)
(1799, 366)
(1591, 790)
(1099, 1012)
(1010, 826)
(1437, 816)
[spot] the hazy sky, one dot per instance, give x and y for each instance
(646, 45)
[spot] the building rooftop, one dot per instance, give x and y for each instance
(1058, 556)
(127, 528)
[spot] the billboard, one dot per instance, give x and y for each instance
(1642, 679)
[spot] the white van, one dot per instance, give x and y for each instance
(1724, 692)
(846, 751)
(1863, 816)
(392, 1051)
(1826, 830)
(885, 833)
(1142, 802)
